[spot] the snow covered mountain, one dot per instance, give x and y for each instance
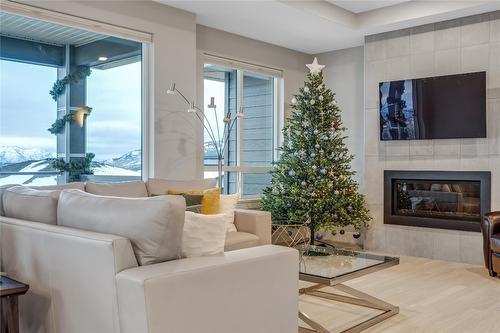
(16, 154)
(130, 161)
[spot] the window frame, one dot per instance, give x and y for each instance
(278, 118)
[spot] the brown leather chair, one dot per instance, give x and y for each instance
(491, 240)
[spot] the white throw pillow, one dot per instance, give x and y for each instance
(203, 235)
(228, 204)
(25, 203)
(153, 225)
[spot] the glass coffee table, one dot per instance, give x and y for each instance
(327, 266)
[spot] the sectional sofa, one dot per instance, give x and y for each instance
(84, 282)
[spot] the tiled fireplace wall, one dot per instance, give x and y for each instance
(465, 45)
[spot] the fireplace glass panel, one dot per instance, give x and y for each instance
(455, 200)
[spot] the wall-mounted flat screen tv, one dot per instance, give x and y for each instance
(442, 107)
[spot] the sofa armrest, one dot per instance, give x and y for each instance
(490, 225)
(243, 291)
(256, 222)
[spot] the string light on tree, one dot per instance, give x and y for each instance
(313, 172)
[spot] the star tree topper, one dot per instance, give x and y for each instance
(315, 68)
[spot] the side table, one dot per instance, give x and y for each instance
(9, 306)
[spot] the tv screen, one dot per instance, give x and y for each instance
(443, 107)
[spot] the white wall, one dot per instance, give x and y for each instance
(344, 74)
(458, 46)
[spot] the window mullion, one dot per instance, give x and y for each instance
(239, 108)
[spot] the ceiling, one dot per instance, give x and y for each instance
(317, 26)
(360, 6)
(45, 32)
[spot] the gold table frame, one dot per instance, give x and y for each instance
(355, 297)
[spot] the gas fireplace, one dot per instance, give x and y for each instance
(436, 199)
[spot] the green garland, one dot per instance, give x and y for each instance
(72, 78)
(75, 168)
(58, 126)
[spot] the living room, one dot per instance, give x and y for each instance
(249, 166)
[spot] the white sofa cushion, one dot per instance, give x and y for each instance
(25, 203)
(153, 225)
(158, 186)
(75, 185)
(134, 189)
(2, 190)
(203, 235)
(240, 240)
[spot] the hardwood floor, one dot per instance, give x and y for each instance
(433, 296)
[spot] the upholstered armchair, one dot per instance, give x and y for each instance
(491, 240)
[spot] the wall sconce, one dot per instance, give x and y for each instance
(80, 113)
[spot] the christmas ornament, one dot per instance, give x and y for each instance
(334, 232)
(314, 167)
(323, 171)
(313, 155)
(336, 192)
(317, 146)
(316, 132)
(312, 102)
(356, 235)
(294, 100)
(335, 216)
(320, 98)
(349, 208)
(318, 236)
(290, 232)
(306, 89)
(291, 173)
(315, 68)
(328, 207)
(342, 231)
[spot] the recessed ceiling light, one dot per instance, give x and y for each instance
(102, 58)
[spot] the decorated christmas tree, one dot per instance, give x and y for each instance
(312, 180)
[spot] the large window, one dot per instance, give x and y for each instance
(89, 127)
(252, 142)
(26, 111)
(114, 127)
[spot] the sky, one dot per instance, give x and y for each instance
(27, 110)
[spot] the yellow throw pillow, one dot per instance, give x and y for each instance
(210, 204)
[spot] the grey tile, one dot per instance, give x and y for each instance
(421, 148)
(447, 61)
(422, 39)
(495, 28)
(398, 148)
(376, 71)
(475, 30)
(398, 68)
(398, 43)
(471, 248)
(375, 50)
(493, 130)
(448, 148)
(474, 148)
(475, 58)
(420, 243)
(422, 64)
(447, 35)
(446, 246)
